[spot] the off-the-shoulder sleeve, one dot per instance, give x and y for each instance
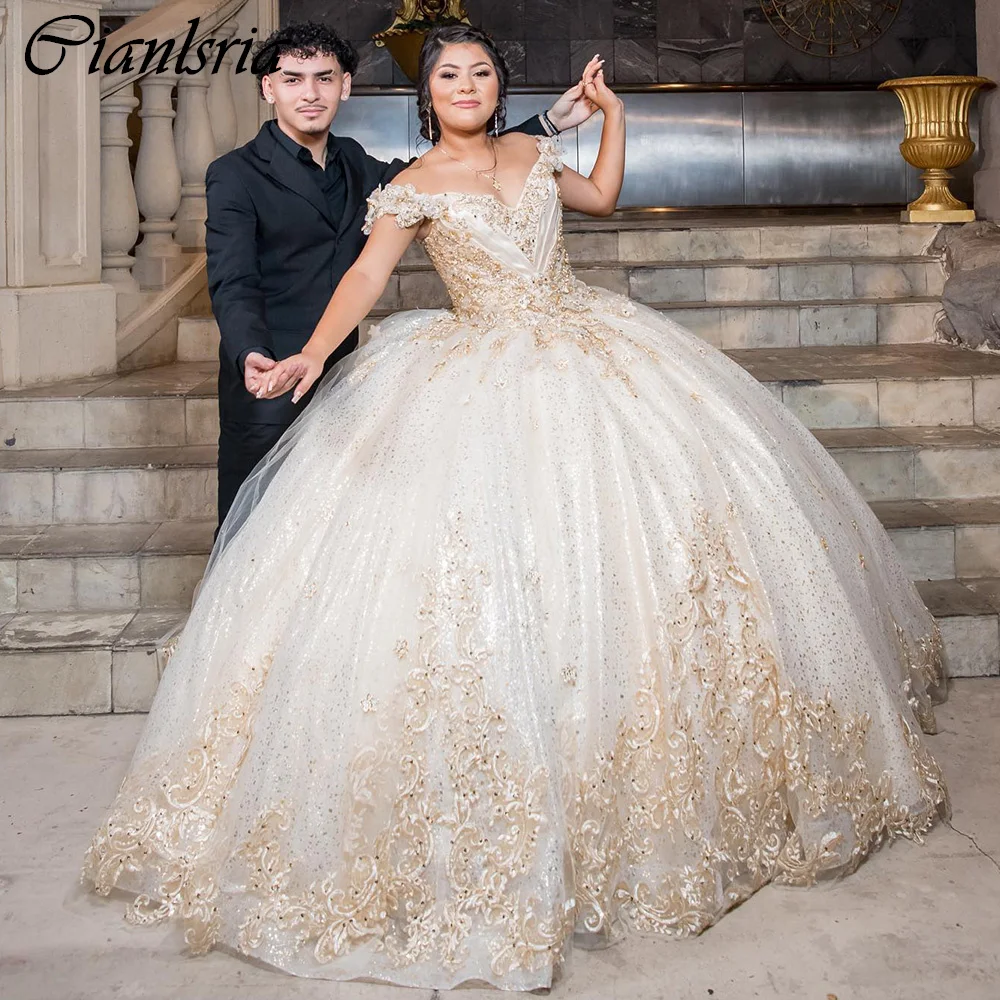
(403, 201)
(550, 152)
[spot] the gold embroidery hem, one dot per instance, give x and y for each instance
(638, 797)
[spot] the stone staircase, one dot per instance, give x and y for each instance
(107, 486)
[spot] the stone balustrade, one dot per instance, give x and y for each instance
(187, 121)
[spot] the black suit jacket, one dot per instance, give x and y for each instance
(275, 257)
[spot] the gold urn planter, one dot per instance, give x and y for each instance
(936, 109)
(404, 38)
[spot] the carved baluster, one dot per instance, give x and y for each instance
(195, 151)
(119, 211)
(221, 105)
(157, 183)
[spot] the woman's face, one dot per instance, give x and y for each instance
(464, 87)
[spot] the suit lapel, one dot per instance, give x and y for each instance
(291, 175)
(352, 190)
(286, 171)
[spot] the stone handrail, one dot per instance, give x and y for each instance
(187, 121)
(141, 336)
(169, 20)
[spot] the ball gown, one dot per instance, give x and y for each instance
(545, 622)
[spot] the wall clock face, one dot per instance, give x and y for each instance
(831, 27)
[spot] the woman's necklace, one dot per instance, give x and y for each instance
(489, 172)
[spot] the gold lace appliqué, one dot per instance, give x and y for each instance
(492, 302)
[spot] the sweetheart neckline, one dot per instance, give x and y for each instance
(472, 194)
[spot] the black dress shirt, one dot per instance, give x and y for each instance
(330, 181)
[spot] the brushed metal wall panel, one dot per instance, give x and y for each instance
(692, 149)
(683, 149)
(380, 123)
(823, 148)
(522, 106)
(386, 124)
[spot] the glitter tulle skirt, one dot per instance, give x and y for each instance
(514, 640)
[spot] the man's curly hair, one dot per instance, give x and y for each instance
(303, 39)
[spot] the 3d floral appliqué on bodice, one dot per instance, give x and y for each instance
(500, 263)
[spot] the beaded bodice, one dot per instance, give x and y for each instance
(500, 263)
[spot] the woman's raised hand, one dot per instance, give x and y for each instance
(574, 107)
(601, 95)
(299, 370)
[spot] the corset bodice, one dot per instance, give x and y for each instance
(499, 263)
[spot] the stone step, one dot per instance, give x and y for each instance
(106, 567)
(891, 385)
(120, 567)
(944, 539)
(908, 463)
(733, 325)
(173, 404)
(416, 284)
(967, 611)
(826, 387)
(658, 236)
(81, 663)
(747, 324)
(141, 485)
(107, 486)
(807, 324)
(197, 339)
(98, 662)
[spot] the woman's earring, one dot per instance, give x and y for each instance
(430, 127)
(496, 122)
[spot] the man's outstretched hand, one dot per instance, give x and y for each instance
(575, 107)
(255, 366)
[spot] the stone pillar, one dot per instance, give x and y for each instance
(195, 144)
(157, 184)
(119, 211)
(251, 109)
(221, 106)
(987, 180)
(57, 319)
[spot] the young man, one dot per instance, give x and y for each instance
(284, 225)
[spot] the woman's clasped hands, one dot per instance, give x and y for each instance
(300, 371)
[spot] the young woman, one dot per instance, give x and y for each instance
(545, 621)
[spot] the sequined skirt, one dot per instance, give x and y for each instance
(520, 633)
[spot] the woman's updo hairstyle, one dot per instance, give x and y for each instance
(430, 53)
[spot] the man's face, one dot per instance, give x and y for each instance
(306, 92)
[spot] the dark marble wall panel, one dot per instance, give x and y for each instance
(697, 41)
(635, 18)
(582, 49)
(635, 60)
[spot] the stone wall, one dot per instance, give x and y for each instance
(648, 41)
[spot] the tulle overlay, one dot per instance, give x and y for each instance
(544, 620)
